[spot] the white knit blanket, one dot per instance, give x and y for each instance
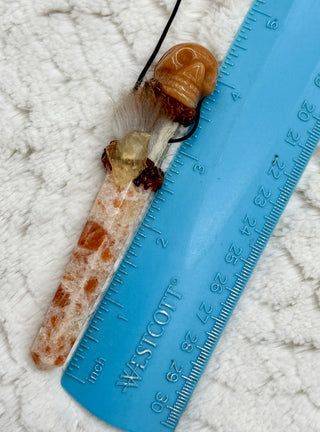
(62, 65)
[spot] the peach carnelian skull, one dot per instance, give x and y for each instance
(187, 72)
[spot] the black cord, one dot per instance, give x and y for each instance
(195, 125)
(158, 46)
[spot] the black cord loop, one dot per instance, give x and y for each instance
(195, 125)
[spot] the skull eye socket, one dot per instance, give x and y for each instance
(185, 56)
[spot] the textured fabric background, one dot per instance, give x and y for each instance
(62, 65)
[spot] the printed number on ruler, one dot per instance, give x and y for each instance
(189, 342)
(174, 372)
(218, 284)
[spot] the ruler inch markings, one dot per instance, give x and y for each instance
(261, 12)
(189, 155)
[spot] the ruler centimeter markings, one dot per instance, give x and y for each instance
(157, 325)
(242, 278)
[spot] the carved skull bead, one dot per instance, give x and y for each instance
(187, 72)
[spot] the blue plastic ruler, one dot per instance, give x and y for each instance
(167, 305)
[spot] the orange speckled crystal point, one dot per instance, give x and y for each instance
(111, 220)
(111, 223)
(187, 72)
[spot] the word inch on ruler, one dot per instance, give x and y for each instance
(158, 323)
